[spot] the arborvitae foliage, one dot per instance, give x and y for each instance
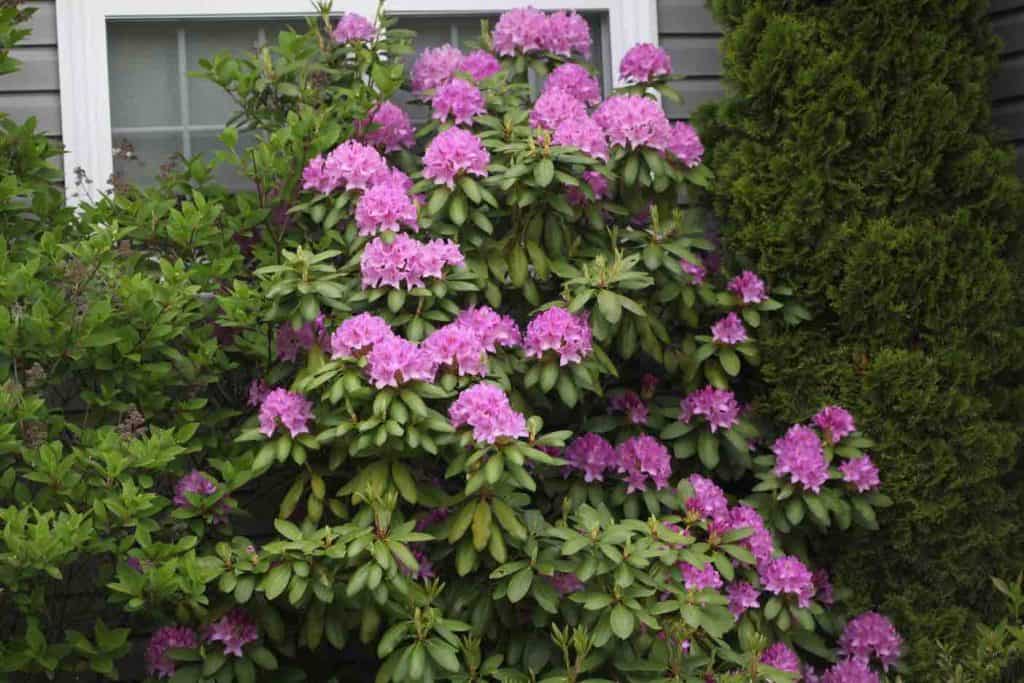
(855, 160)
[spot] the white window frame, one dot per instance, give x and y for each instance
(82, 51)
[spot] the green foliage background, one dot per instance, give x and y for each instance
(856, 161)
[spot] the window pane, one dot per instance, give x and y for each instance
(208, 145)
(140, 155)
(144, 82)
(208, 103)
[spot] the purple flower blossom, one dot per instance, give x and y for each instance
(388, 127)
(837, 423)
(407, 261)
(645, 62)
(354, 27)
(493, 329)
(643, 457)
(787, 575)
(862, 473)
(457, 346)
(592, 455)
(717, 406)
(584, 134)
(458, 100)
(696, 271)
(632, 121)
(630, 403)
(435, 67)
(555, 106)
(850, 671)
(452, 152)
(234, 630)
(799, 454)
(424, 571)
(748, 287)
(357, 335)
(708, 500)
(871, 634)
(685, 144)
(742, 596)
(729, 331)
(700, 579)
(393, 361)
(291, 341)
(565, 583)
(760, 543)
(780, 657)
(519, 30)
(558, 330)
(290, 409)
(566, 33)
(575, 80)
(486, 409)
(351, 166)
(385, 206)
(196, 483)
(258, 390)
(598, 185)
(480, 64)
(158, 663)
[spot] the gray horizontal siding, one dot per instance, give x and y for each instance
(691, 36)
(1008, 85)
(34, 89)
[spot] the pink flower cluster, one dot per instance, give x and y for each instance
(529, 30)
(479, 64)
(435, 67)
(871, 635)
(685, 144)
(641, 458)
(287, 408)
(388, 127)
(493, 330)
(584, 134)
(458, 100)
(696, 271)
(486, 409)
(718, 406)
(644, 63)
(575, 80)
(708, 500)
(760, 543)
(592, 455)
(862, 473)
(630, 403)
(258, 390)
(393, 361)
(196, 483)
(291, 341)
(787, 575)
(700, 579)
(729, 331)
(353, 27)
(234, 630)
(847, 671)
(350, 166)
(835, 422)
(742, 596)
(386, 206)
(598, 185)
(558, 330)
(799, 455)
(748, 287)
(407, 261)
(555, 106)
(452, 152)
(780, 656)
(357, 335)
(158, 663)
(632, 121)
(459, 347)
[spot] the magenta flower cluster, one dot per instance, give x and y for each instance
(780, 656)
(598, 185)
(568, 335)
(352, 27)
(835, 423)
(630, 403)
(749, 288)
(291, 341)
(458, 347)
(493, 329)
(787, 575)
(555, 106)
(234, 630)
(357, 335)
(707, 577)
(871, 635)
(632, 121)
(862, 473)
(454, 152)
(196, 483)
(799, 455)
(717, 406)
(459, 101)
(486, 408)
(479, 64)
(526, 30)
(406, 261)
(742, 597)
(643, 459)
(158, 663)
(386, 206)
(435, 67)
(696, 271)
(286, 408)
(583, 133)
(729, 331)
(393, 361)
(645, 62)
(685, 144)
(590, 454)
(575, 80)
(388, 128)
(708, 500)
(349, 166)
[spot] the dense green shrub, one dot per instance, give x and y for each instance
(855, 160)
(235, 448)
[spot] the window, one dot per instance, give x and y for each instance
(128, 104)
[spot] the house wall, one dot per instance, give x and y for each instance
(1008, 86)
(687, 29)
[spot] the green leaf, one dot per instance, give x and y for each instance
(457, 209)
(622, 622)
(519, 585)
(795, 511)
(544, 172)
(277, 580)
(610, 306)
(707, 450)
(444, 654)
(730, 361)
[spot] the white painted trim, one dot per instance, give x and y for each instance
(82, 51)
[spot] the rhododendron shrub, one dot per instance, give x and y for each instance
(489, 418)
